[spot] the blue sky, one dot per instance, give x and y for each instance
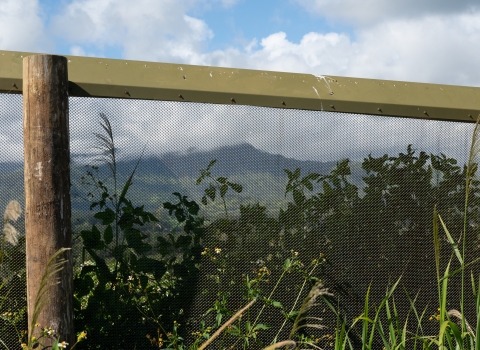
(426, 41)
(436, 41)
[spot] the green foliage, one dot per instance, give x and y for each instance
(135, 276)
(13, 310)
(126, 288)
(219, 184)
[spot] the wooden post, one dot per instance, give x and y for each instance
(47, 188)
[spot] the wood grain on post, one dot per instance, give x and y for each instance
(47, 188)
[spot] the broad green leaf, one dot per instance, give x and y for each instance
(223, 190)
(236, 187)
(222, 180)
(107, 216)
(218, 319)
(296, 173)
(298, 197)
(261, 326)
(108, 234)
(451, 241)
(277, 304)
(211, 192)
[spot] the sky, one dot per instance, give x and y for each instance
(434, 41)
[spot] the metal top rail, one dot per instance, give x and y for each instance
(110, 78)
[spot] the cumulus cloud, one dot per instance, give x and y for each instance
(437, 49)
(147, 29)
(408, 40)
(22, 27)
(165, 127)
(394, 40)
(369, 12)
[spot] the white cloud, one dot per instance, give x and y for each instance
(371, 12)
(309, 135)
(229, 3)
(407, 40)
(22, 27)
(11, 133)
(146, 30)
(432, 46)
(437, 49)
(76, 50)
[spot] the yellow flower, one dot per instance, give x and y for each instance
(63, 344)
(81, 336)
(217, 250)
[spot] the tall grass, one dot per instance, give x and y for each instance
(454, 330)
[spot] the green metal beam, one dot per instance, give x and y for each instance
(100, 77)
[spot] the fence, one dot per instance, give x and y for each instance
(365, 218)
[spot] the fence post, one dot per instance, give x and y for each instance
(47, 188)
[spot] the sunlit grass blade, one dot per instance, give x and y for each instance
(403, 337)
(436, 244)
(462, 268)
(443, 306)
(376, 321)
(365, 323)
(472, 279)
(385, 340)
(451, 241)
(477, 308)
(51, 270)
(414, 309)
(392, 336)
(340, 335)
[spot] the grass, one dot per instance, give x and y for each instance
(378, 324)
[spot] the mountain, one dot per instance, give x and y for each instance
(260, 173)
(243, 158)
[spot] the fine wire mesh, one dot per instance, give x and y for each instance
(13, 302)
(252, 145)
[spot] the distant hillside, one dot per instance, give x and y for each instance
(260, 173)
(243, 158)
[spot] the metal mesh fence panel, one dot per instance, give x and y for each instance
(13, 302)
(352, 193)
